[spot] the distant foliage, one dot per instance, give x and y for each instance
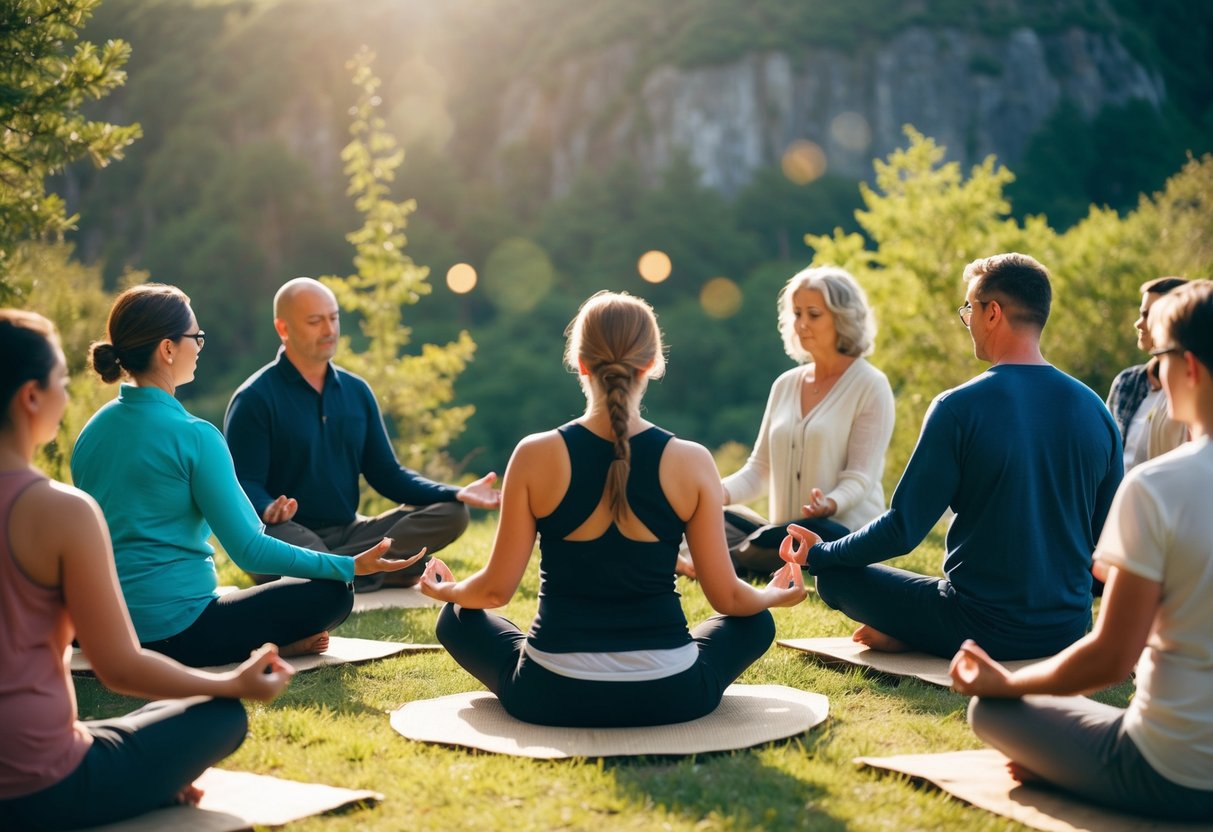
(72, 296)
(42, 130)
(414, 391)
(924, 221)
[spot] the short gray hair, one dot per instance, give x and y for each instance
(844, 297)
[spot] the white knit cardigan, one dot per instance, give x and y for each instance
(838, 447)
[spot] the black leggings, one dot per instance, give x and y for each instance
(491, 649)
(137, 763)
(234, 625)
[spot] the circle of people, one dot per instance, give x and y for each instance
(1029, 461)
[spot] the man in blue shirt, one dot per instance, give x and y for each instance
(1028, 458)
(302, 430)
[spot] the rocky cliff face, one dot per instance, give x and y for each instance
(976, 95)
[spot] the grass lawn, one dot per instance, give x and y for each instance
(331, 726)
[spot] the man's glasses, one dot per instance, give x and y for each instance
(199, 337)
(966, 313)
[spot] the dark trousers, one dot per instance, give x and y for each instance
(281, 612)
(926, 613)
(136, 763)
(491, 649)
(754, 543)
(434, 526)
(1082, 746)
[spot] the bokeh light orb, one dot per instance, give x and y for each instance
(720, 297)
(654, 266)
(461, 278)
(803, 162)
(518, 274)
(851, 131)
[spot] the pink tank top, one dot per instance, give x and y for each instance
(40, 740)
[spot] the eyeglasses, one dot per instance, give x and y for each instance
(1166, 350)
(966, 312)
(199, 337)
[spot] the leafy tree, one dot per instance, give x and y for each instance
(414, 390)
(41, 127)
(926, 221)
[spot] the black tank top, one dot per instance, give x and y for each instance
(610, 594)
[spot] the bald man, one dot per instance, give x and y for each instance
(302, 430)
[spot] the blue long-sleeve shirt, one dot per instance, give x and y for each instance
(288, 439)
(1029, 459)
(164, 479)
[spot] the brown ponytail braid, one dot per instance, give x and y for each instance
(615, 337)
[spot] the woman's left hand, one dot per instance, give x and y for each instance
(437, 580)
(819, 505)
(974, 673)
(788, 586)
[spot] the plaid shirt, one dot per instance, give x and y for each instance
(1129, 390)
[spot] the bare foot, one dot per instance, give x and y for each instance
(189, 796)
(397, 580)
(876, 640)
(306, 646)
(1023, 775)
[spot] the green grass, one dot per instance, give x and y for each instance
(331, 726)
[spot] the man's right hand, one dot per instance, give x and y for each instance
(371, 561)
(280, 511)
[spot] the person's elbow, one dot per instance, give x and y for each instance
(121, 674)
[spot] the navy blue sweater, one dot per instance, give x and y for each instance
(1028, 458)
(288, 439)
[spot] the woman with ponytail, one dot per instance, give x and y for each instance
(610, 496)
(57, 580)
(165, 480)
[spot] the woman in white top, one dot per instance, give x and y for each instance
(820, 451)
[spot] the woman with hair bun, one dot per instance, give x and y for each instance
(610, 496)
(165, 480)
(819, 456)
(57, 580)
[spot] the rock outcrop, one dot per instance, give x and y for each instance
(975, 94)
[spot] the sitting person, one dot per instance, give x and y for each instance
(1156, 757)
(165, 480)
(820, 450)
(610, 496)
(57, 580)
(304, 429)
(1027, 457)
(1136, 395)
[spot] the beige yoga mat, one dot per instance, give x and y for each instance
(234, 800)
(341, 651)
(922, 666)
(980, 779)
(748, 715)
(393, 598)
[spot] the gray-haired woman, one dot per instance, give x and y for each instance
(820, 451)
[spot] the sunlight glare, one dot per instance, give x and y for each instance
(461, 278)
(654, 266)
(851, 131)
(803, 162)
(720, 297)
(518, 274)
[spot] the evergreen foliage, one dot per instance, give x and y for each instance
(42, 128)
(924, 221)
(414, 391)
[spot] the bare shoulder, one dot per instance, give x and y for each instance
(50, 501)
(537, 448)
(687, 455)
